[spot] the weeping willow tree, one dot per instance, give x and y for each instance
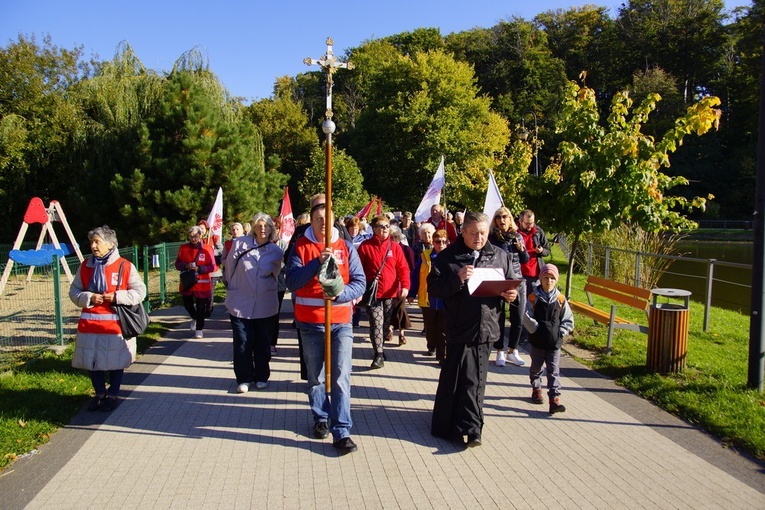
(196, 141)
(117, 102)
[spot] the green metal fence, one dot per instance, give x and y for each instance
(35, 309)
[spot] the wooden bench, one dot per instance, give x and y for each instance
(622, 293)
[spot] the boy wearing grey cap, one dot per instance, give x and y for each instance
(548, 319)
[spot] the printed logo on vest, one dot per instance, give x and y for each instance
(115, 279)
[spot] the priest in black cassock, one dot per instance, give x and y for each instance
(472, 326)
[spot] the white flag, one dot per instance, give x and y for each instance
(215, 220)
(433, 195)
(493, 198)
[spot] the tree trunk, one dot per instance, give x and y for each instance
(570, 272)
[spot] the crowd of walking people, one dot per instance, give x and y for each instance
(376, 269)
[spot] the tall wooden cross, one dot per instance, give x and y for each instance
(329, 64)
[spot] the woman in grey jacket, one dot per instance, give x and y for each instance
(251, 271)
(102, 280)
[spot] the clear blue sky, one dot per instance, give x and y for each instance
(250, 43)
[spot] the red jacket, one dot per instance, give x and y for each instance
(394, 275)
(451, 232)
(205, 265)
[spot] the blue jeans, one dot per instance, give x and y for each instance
(252, 348)
(335, 408)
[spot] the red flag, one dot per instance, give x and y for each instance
(288, 221)
(379, 206)
(365, 211)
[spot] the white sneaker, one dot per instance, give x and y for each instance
(243, 388)
(198, 334)
(261, 385)
(515, 359)
(501, 359)
(193, 325)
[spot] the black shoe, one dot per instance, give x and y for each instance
(473, 440)
(345, 445)
(95, 403)
(320, 430)
(536, 397)
(109, 403)
(378, 361)
(556, 406)
(431, 352)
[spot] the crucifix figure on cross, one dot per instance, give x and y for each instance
(329, 63)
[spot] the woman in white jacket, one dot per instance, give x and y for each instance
(104, 279)
(252, 269)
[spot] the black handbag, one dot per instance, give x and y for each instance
(189, 277)
(370, 293)
(133, 318)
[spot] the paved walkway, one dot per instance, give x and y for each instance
(184, 439)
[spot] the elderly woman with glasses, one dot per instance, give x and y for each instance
(432, 307)
(198, 257)
(103, 280)
(504, 234)
(252, 272)
(383, 258)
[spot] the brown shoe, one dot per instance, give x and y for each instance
(556, 406)
(401, 339)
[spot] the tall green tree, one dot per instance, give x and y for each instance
(348, 195)
(418, 108)
(684, 37)
(195, 143)
(288, 139)
(586, 39)
(40, 125)
(609, 174)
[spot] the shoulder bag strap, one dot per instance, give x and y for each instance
(387, 252)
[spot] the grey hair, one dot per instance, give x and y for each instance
(105, 233)
(261, 216)
(395, 233)
(426, 227)
(196, 229)
(475, 217)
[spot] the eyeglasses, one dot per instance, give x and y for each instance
(442, 241)
(384, 227)
(501, 217)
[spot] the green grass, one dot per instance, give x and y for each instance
(710, 392)
(42, 394)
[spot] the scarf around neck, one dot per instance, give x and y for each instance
(98, 281)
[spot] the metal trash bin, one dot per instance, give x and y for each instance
(668, 331)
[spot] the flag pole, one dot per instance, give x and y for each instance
(329, 64)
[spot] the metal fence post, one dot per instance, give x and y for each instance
(146, 302)
(637, 269)
(162, 272)
(708, 297)
(589, 258)
(607, 269)
(58, 320)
